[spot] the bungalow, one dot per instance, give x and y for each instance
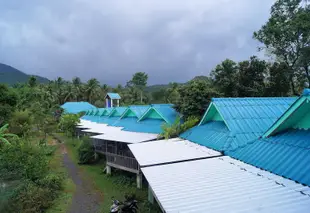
(140, 124)
(76, 107)
(284, 149)
(232, 122)
(189, 177)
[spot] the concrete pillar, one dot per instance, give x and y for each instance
(109, 169)
(150, 196)
(139, 181)
(96, 156)
(117, 102)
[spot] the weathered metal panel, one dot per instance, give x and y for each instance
(222, 185)
(168, 151)
(286, 154)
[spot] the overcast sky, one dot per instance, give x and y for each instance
(171, 40)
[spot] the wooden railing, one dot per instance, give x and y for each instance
(123, 162)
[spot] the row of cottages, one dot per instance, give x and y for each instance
(113, 129)
(246, 155)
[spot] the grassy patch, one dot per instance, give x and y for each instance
(117, 185)
(63, 202)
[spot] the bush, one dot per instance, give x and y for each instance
(29, 197)
(23, 160)
(21, 123)
(68, 123)
(52, 181)
(30, 187)
(86, 152)
(174, 130)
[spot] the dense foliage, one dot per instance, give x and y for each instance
(68, 123)
(28, 185)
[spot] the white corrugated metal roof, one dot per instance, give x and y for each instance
(91, 125)
(127, 137)
(167, 151)
(223, 185)
(103, 129)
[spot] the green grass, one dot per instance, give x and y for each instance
(63, 202)
(116, 185)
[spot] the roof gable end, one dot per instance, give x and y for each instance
(297, 116)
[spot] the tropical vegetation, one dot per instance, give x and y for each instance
(28, 123)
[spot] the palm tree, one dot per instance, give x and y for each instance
(91, 89)
(4, 135)
(78, 88)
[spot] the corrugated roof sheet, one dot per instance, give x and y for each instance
(126, 137)
(125, 122)
(114, 95)
(169, 151)
(286, 154)
(213, 134)
(167, 111)
(117, 111)
(246, 119)
(77, 107)
(139, 110)
(251, 114)
(224, 185)
(147, 126)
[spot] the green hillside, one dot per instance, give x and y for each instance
(10, 75)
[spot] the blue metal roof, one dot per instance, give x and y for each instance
(251, 114)
(77, 107)
(139, 110)
(286, 154)
(125, 122)
(118, 110)
(214, 134)
(167, 111)
(245, 118)
(147, 126)
(113, 95)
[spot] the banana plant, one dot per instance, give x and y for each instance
(4, 135)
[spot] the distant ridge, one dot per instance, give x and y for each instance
(10, 75)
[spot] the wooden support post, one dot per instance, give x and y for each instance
(150, 195)
(139, 181)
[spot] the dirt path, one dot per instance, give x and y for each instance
(85, 199)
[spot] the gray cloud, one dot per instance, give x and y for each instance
(110, 40)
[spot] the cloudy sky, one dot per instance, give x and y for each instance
(171, 40)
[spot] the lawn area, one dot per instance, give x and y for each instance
(116, 185)
(63, 202)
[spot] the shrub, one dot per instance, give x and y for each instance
(21, 123)
(68, 123)
(51, 181)
(29, 186)
(86, 152)
(174, 130)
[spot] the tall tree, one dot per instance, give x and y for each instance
(251, 77)
(194, 98)
(78, 88)
(92, 89)
(278, 80)
(139, 80)
(286, 34)
(225, 77)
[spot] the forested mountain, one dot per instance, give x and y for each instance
(10, 75)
